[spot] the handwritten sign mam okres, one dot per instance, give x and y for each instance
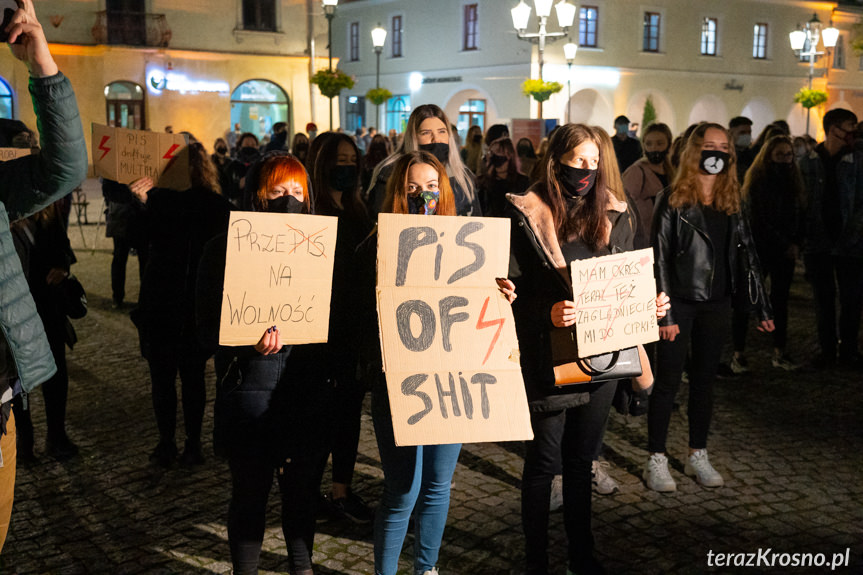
(127, 155)
(615, 299)
(448, 337)
(278, 271)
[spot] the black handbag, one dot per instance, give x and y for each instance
(570, 368)
(73, 298)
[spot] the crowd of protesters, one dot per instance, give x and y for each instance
(723, 215)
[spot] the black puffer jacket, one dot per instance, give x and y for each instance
(684, 257)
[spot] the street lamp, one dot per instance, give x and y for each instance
(330, 13)
(569, 51)
(521, 15)
(811, 33)
(379, 38)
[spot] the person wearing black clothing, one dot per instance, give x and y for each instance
(273, 409)
(125, 223)
(833, 244)
(46, 257)
(626, 148)
(740, 131)
(570, 214)
(180, 223)
(773, 191)
(700, 241)
(500, 176)
(335, 180)
(429, 129)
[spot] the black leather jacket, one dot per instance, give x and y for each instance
(685, 259)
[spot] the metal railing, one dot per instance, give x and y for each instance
(131, 28)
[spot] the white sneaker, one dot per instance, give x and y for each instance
(739, 365)
(782, 362)
(656, 474)
(432, 572)
(699, 465)
(555, 502)
(603, 483)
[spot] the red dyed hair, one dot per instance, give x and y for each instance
(278, 170)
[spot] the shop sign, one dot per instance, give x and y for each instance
(158, 81)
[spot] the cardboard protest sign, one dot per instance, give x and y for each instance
(615, 299)
(127, 155)
(7, 154)
(278, 271)
(447, 334)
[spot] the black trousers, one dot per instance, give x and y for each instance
(55, 392)
(165, 363)
(567, 439)
(349, 404)
(122, 247)
(826, 273)
(781, 273)
(704, 325)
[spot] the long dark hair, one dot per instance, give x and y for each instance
(759, 175)
(325, 162)
(583, 219)
(500, 147)
(202, 170)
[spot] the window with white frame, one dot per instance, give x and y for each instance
(759, 41)
(708, 37)
(588, 18)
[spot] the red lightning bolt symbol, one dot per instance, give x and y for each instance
(169, 155)
(482, 324)
(102, 146)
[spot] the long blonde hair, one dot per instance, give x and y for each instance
(686, 189)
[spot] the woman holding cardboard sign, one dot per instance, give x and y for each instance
(704, 254)
(574, 212)
(273, 401)
(416, 479)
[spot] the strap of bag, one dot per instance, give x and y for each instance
(586, 367)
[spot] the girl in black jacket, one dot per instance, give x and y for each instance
(273, 401)
(571, 213)
(701, 243)
(500, 176)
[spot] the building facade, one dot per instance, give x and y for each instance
(196, 65)
(694, 60)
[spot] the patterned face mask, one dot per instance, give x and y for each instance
(425, 202)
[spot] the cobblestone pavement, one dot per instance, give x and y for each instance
(790, 446)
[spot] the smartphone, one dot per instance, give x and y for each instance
(7, 9)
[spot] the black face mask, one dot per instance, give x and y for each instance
(714, 162)
(656, 157)
(285, 205)
(497, 161)
(782, 168)
(438, 150)
(343, 178)
(301, 149)
(477, 139)
(576, 182)
(248, 155)
(221, 150)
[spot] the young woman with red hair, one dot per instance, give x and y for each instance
(271, 401)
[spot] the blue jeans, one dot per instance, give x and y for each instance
(415, 479)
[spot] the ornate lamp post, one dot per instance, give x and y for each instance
(379, 38)
(569, 51)
(330, 13)
(521, 15)
(811, 32)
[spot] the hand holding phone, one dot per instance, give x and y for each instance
(26, 38)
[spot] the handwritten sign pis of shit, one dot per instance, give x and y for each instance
(615, 301)
(127, 155)
(7, 154)
(448, 336)
(278, 271)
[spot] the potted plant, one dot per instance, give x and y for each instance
(378, 96)
(331, 82)
(540, 90)
(809, 98)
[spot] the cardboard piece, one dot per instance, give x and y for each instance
(7, 154)
(448, 336)
(127, 155)
(615, 298)
(278, 271)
